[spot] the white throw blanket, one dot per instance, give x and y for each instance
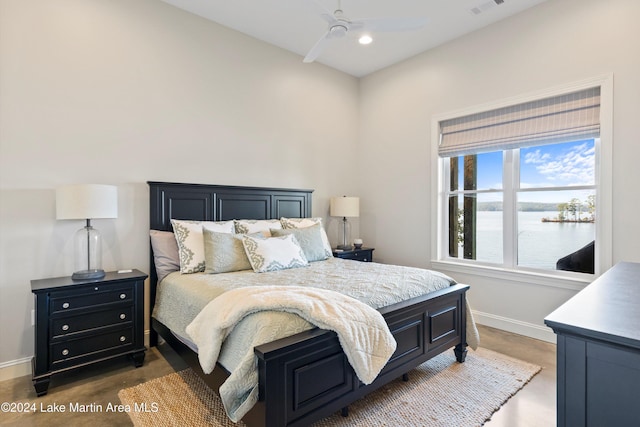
(362, 331)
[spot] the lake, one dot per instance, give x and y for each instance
(540, 244)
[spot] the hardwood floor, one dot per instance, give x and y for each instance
(533, 406)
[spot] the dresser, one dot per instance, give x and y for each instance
(598, 351)
(79, 322)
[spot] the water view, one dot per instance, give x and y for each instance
(540, 244)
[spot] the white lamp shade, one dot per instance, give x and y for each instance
(87, 201)
(345, 206)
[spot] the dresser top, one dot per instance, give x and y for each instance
(112, 276)
(607, 309)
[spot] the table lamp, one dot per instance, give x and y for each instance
(87, 201)
(345, 207)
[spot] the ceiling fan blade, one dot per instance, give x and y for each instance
(325, 13)
(388, 24)
(317, 49)
(330, 19)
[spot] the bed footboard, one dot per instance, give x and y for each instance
(306, 377)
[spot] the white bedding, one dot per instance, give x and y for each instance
(180, 298)
(362, 331)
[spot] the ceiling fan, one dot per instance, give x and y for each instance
(340, 26)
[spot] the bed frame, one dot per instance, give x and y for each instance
(306, 377)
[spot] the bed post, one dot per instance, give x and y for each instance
(153, 283)
(460, 349)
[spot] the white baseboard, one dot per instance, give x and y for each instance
(15, 368)
(530, 330)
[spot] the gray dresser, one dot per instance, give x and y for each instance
(598, 334)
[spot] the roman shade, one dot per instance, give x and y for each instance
(563, 118)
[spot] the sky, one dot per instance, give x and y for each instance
(563, 164)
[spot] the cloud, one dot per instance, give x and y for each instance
(573, 167)
(535, 157)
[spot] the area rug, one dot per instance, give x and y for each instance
(439, 393)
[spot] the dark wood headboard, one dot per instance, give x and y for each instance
(222, 202)
(203, 202)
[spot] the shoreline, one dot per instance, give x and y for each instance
(587, 221)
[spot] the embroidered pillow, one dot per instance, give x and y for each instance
(289, 223)
(299, 222)
(274, 253)
(249, 226)
(310, 240)
(191, 241)
(224, 252)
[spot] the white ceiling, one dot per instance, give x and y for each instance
(296, 25)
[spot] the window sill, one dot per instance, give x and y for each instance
(562, 280)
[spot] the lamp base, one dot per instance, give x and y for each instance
(344, 247)
(87, 275)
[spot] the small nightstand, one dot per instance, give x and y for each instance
(362, 254)
(78, 322)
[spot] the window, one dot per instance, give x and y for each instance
(518, 185)
(551, 199)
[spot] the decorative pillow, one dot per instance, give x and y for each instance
(224, 252)
(165, 253)
(191, 242)
(310, 240)
(274, 253)
(289, 223)
(299, 222)
(249, 226)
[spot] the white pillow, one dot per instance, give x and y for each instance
(191, 241)
(274, 253)
(249, 226)
(288, 223)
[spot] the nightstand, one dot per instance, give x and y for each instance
(79, 322)
(362, 254)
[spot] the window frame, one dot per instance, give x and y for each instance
(603, 185)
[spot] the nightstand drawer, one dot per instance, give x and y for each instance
(362, 254)
(66, 301)
(358, 255)
(71, 324)
(74, 348)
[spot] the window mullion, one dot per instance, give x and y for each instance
(509, 235)
(444, 211)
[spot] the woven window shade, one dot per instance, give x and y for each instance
(562, 118)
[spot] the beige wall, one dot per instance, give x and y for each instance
(125, 91)
(555, 43)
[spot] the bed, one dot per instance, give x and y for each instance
(306, 376)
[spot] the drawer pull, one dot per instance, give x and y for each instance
(65, 305)
(65, 327)
(123, 296)
(65, 352)
(123, 338)
(123, 316)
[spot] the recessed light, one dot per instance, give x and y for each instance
(365, 39)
